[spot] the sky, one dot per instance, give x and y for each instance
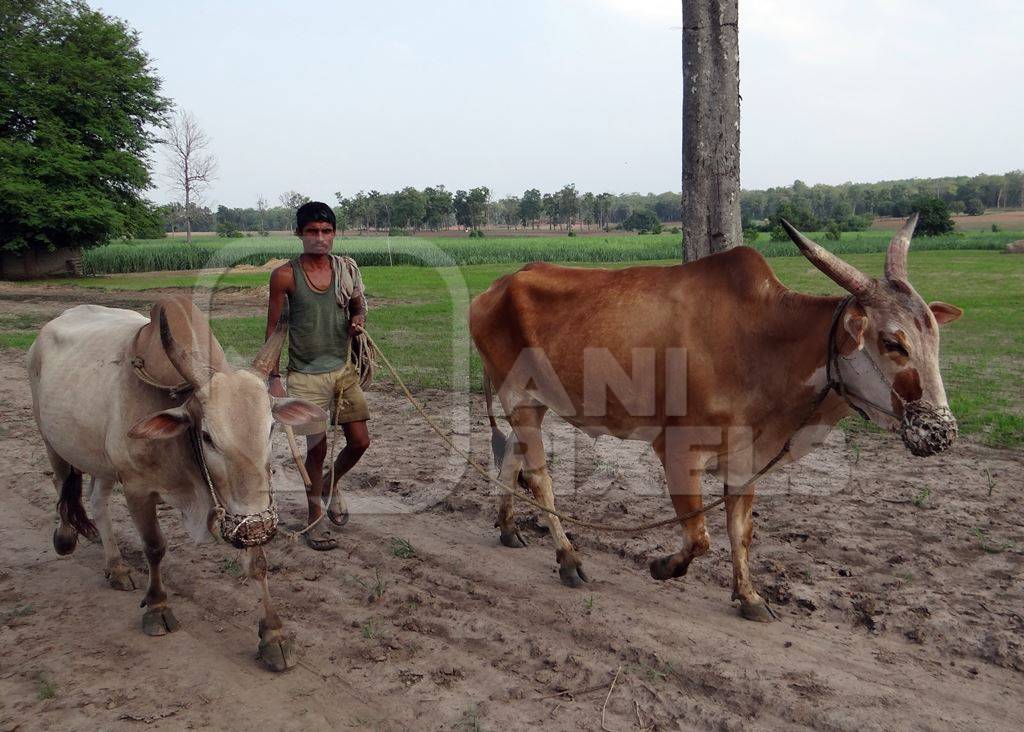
(328, 96)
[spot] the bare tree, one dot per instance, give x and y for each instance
(190, 166)
(711, 128)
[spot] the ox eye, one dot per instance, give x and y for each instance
(896, 347)
(207, 439)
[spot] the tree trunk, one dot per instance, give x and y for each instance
(711, 128)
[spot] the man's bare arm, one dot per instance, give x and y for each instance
(281, 285)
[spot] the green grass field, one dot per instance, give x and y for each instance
(174, 254)
(982, 353)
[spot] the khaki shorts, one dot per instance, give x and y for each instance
(321, 389)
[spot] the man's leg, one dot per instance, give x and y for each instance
(318, 537)
(357, 440)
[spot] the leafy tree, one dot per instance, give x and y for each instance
(78, 99)
(409, 208)
(530, 207)
(439, 207)
(568, 205)
(934, 215)
(461, 205)
(477, 200)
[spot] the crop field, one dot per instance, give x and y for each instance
(173, 254)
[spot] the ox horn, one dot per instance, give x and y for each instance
(896, 257)
(181, 360)
(269, 354)
(845, 275)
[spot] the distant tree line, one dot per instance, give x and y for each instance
(852, 206)
(846, 207)
(435, 208)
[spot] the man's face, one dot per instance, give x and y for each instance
(317, 238)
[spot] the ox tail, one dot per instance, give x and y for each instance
(73, 517)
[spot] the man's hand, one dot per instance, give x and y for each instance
(356, 324)
(276, 388)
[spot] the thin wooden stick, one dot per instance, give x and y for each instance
(299, 463)
(605, 705)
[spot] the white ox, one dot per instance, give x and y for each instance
(204, 450)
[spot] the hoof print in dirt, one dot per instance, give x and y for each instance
(159, 621)
(276, 654)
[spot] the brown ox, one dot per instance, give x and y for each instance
(712, 362)
(206, 452)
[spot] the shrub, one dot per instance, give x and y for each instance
(643, 220)
(934, 213)
(750, 235)
(974, 207)
(228, 230)
(834, 231)
(674, 230)
(995, 228)
(571, 233)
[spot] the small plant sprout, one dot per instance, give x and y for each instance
(401, 548)
(45, 688)
(922, 497)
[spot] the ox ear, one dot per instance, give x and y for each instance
(855, 322)
(295, 412)
(944, 312)
(162, 425)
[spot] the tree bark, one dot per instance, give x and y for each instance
(711, 128)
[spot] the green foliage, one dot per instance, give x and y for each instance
(45, 688)
(834, 231)
(643, 220)
(934, 216)
(974, 207)
(750, 235)
(79, 98)
(995, 228)
(227, 230)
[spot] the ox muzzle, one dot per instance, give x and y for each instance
(244, 530)
(927, 429)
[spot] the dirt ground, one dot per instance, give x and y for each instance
(897, 582)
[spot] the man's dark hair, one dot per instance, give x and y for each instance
(311, 212)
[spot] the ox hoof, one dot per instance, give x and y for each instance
(159, 621)
(64, 540)
(512, 539)
(120, 578)
(759, 612)
(666, 568)
(276, 654)
(572, 575)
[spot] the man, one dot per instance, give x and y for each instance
(327, 306)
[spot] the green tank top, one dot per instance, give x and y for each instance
(317, 328)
